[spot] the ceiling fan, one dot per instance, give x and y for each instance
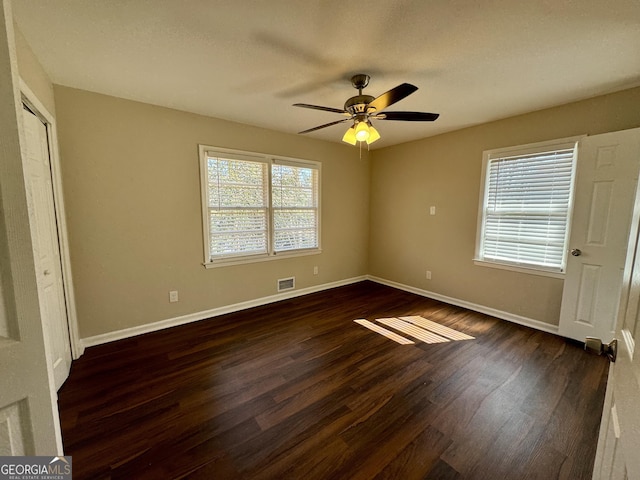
(361, 109)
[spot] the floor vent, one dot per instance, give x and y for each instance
(286, 284)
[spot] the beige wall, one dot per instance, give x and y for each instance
(444, 171)
(33, 74)
(130, 175)
(132, 194)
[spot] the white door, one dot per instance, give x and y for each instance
(618, 457)
(45, 245)
(606, 178)
(29, 422)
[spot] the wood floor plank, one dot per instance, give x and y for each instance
(418, 458)
(297, 390)
(443, 471)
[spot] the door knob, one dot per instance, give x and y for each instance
(576, 252)
(595, 345)
(47, 272)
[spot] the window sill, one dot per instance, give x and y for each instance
(260, 258)
(519, 269)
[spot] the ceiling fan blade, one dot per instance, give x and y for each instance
(392, 96)
(324, 126)
(407, 116)
(318, 107)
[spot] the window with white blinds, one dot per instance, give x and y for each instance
(256, 206)
(526, 205)
(294, 193)
(237, 205)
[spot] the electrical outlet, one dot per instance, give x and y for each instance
(315, 270)
(173, 296)
(428, 274)
(432, 210)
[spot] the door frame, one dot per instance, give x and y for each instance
(609, 423)
(34, 104)
(24, 352)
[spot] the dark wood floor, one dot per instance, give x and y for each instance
(297, 390)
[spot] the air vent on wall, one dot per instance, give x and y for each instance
(286, 283)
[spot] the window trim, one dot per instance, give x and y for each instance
(270, 160)
(521, 150)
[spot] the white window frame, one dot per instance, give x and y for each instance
(269, 160)
(517, 151)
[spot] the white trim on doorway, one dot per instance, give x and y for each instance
(31, 100)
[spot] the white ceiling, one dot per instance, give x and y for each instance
(250, 60)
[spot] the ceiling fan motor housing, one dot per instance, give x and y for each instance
(358, 104)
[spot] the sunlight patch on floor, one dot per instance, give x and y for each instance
(417, 327)
(437, 328)
(383, 331)
(410, 329)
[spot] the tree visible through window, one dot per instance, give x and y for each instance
(295, 207)
(238, 206)
(256, 205)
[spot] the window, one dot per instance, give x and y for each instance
(525, 206)
(294, 194)
(257, 206)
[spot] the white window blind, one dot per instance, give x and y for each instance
(238, 206)
(294, 192)
(527, 201)
(256, 206)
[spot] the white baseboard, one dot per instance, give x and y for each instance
(194, 317)
(215, 312)
(527, 322)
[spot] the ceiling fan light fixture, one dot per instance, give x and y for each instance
(373, 135)
(350, 136)
(362, 131)
(361, 109)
